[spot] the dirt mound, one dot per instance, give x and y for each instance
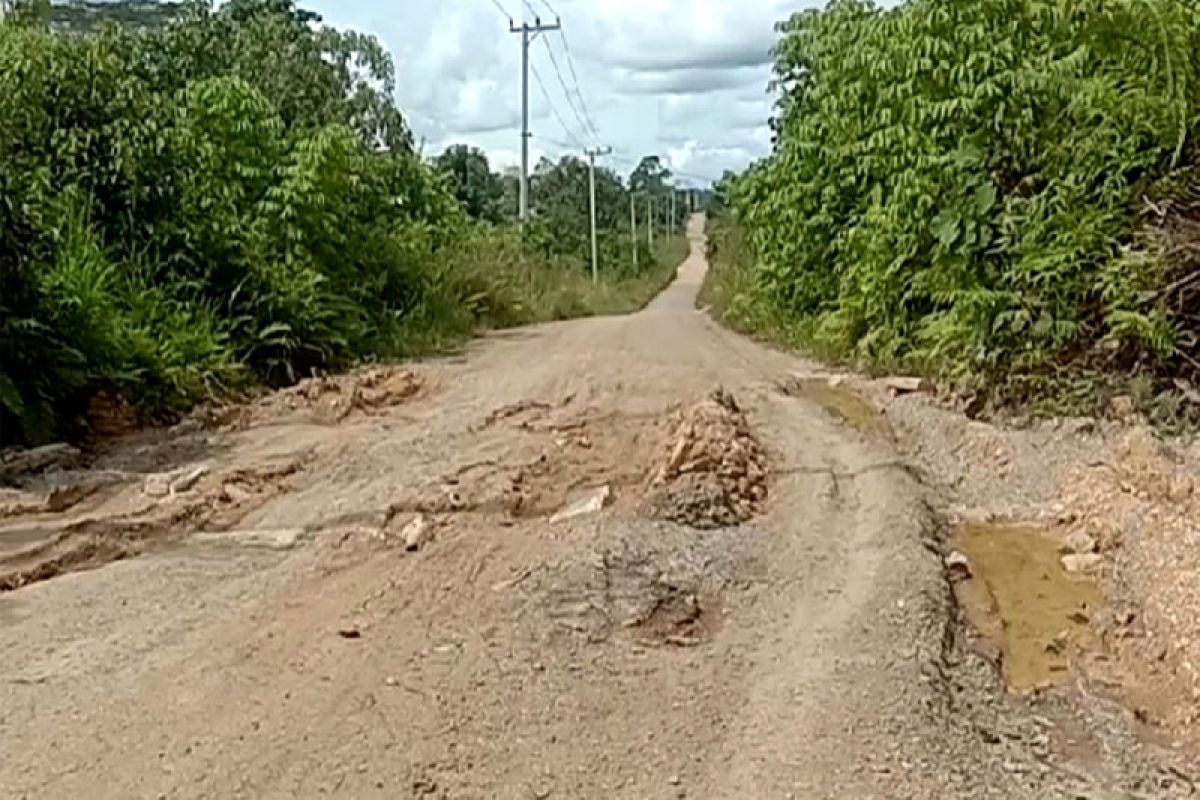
(328, 400)
(712, 472)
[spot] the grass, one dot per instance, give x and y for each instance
(485, 283)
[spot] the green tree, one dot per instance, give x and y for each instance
(478, 189)
(562, 226)
(233, 196)
(235, 189)
(649, 177)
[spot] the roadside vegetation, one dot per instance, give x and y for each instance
(203, 199)
(1001, 193)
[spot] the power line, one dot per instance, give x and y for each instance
(630, 161)
(585, 119)
(559, 143)
(554, 109)
(502, 10)
(588, 129)
(575, 77)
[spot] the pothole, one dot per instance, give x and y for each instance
(1032, 614)
(700, 466)
(657, 598)
(40, 547)
(840, 402)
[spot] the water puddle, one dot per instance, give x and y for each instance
(842, 403)
(1024, 604)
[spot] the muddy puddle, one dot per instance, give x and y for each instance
(840, 402)
(1030, 612)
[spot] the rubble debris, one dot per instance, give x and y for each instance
(328, 400)
(1078, 542)
(1082, 563)
(270, 539)
(417, 533)
(162, 484)
(1123, 408)
(17, 464)
(898, 384)
(188, 479)
(958, 565)
(589, 502)
(712, 470)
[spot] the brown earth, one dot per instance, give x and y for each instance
(354, 589)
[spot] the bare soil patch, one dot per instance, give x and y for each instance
(128, 517)
(326, 400)
(1139, 505)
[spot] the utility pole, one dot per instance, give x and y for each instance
(528, 34)
(673, 217)
(633, 228)
(650, 220)
(591, 154)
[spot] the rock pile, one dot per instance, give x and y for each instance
(712, 471)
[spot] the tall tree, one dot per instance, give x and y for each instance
(650, 176)
(478, 189)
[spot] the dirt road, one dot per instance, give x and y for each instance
(370, 600)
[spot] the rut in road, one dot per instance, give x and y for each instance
(791, 641)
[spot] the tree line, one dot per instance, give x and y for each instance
(559, 191)
(203, 200)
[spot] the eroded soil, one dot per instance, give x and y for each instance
(355, 589)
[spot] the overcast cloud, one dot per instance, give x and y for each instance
(684, 79)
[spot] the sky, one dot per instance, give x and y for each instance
(683, 79)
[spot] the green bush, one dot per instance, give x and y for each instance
(981, 189)
(231, 196)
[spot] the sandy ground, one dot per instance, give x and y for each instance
(355, 589)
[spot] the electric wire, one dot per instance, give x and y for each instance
(502, 10)
(584, 126)
(554, 109)
(575, 77)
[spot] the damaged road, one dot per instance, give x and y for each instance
(370, 587)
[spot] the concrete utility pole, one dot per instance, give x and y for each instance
(528, 34)
(591, 154)
(633, 228)
(650, 221)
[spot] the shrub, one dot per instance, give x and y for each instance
(979, 188)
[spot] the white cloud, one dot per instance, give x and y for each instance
(679, 157)
(684, 79)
